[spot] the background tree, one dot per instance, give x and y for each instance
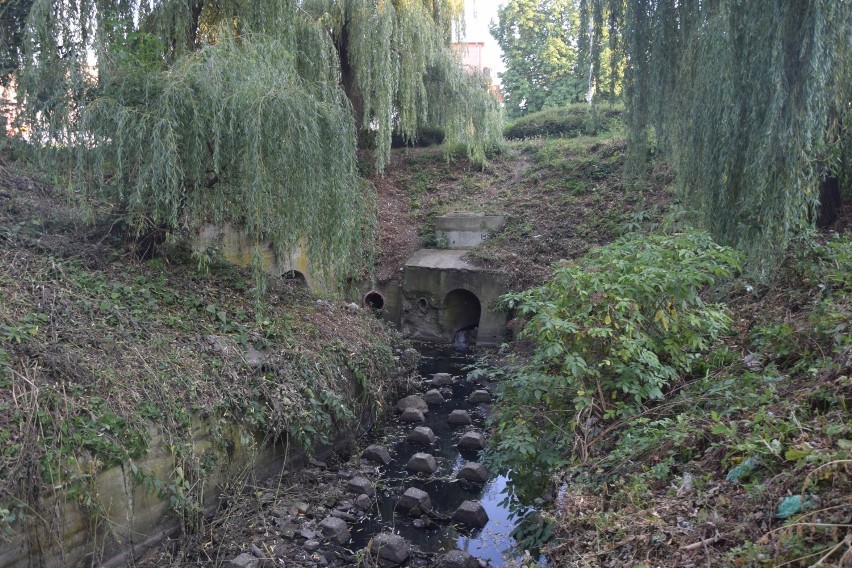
(242, 112)
(538, 40)
(558, 51)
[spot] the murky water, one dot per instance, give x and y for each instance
(493, 542)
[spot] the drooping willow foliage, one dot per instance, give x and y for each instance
(751, 102)
(245, 112)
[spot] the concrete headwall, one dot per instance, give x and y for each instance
(466, 230)
(239, 249)
(430, 276)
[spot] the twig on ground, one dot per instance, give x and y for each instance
(702, 543)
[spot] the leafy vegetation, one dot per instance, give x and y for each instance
(242, 113)
(611, 332)
(745, 445)
(569, 121)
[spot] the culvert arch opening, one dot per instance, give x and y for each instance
(462, 310)
(374, 300)
(295, 277)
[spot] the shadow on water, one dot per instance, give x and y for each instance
(494, 542)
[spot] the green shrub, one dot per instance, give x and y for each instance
(610, 332)
(426, 136)
(568, 121)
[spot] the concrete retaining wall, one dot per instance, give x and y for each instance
(132, 519)
(239, 249)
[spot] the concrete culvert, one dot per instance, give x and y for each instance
(295, 277)
(461, 311)
(374, 300)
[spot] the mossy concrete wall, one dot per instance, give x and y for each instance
(237, 248)
(125, 519)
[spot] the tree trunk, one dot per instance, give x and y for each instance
(829, 201)
(347, 79)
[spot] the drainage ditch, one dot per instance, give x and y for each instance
(436, 531)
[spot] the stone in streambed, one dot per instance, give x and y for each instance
(422, 463)
(414, 499)
(335, 530)
(472, 441)
(360, 485)
(244, 560)
(472, 471)
(412, 415)
(412, 401)
(343, 515)
(442, 379)
(479, 396)
(422, 435)
(457, 559)
(471, 513)
(390, 547)
(363, 502)
(459, 418)
(378, 454)
(433, 396)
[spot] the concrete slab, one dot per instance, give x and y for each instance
(440, 259)
(467, 230)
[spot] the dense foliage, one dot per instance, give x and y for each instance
(749, 102)
(13, 14)
(745, 454)
(554, 49)
(568, 122)
(610, 332)
(245, 113)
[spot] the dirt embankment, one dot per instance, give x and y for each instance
(563, 196)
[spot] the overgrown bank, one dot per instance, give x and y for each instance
(689, 417)
(97, 347)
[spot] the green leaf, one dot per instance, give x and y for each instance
(795, 455)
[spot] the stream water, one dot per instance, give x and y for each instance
(493, 542)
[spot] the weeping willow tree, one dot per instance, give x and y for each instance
(246, 112)
(751, 101)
